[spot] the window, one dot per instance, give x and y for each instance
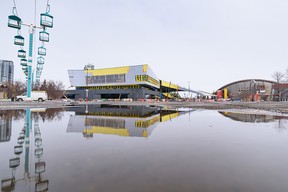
(118, 78)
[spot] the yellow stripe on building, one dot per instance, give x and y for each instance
(145, 133)
(107, 130)
(169, 85)
(145, 67)
(169, 117)
(109, 71)
(167, 95)
(147, 123)
(225, 95)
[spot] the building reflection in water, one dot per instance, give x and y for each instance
(132, 121)
(257, 118)
(5, 126)
(25, 142)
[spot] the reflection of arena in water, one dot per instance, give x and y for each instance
(133, 121)
(253, 118)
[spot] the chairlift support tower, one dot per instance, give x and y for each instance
(46, 21)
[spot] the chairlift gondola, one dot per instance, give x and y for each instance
(23, 62)
(42, 51)
(46, 20)
(39, 67)
(14, 22)
(40, 60)
(22, 133)
(21, 53)
(19, 40)
(20, 140)
(44, 36)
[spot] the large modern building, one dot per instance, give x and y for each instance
(133, 82)
(248, 90)
(6, 71)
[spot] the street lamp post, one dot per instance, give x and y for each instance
(87, 90)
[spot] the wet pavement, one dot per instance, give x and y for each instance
(139, 148)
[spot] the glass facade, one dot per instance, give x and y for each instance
(147, 78)
(118, 78)
(112, 123)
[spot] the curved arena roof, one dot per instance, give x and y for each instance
(241, 81)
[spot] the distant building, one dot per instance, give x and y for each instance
(247, 90)
(280, 92)
(6, 71)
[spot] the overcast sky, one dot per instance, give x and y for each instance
(208, 43)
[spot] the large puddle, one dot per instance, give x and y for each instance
(107, 149)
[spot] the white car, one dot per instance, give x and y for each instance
(35, 96)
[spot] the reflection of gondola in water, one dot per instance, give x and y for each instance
(38, 142)
(41, 186)
(9, 184)
(18, 149)
(14, 162)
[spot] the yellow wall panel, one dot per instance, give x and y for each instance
(225, 94)
(109, 71)
(107, 130)
(169, 85)
(145, 67)
(169, 117)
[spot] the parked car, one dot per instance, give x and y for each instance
(35, 96)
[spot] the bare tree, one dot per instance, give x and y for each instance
(55, 89)
(286, 75)
(17, 88)
(44, 85)
(278, 76)
(36, 85)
